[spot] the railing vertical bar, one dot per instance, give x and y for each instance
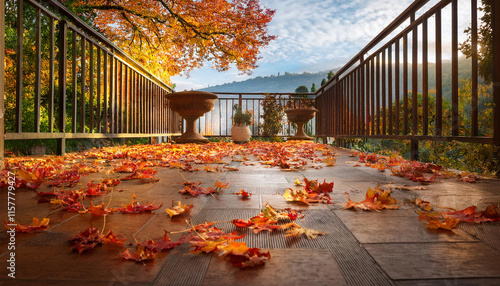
(425, 78)
(354, 103)
(82, 83)
(51, 74)
(106, 82)
(367, 101)
(362, 99)
(2, 84)
(38, 69)
(74, 83)
(98, 90)
(357, 100)
(121, 95)
(439, 75)
(19, 67)
(128, 100)
(372, 93)
(133, 110)
(112, 89)
(414, 80)
(116, 94)
(474, 75)
(63, 65)
(125, 99)
(495, 8)
(378, 95)
(140, 99)
(389, 90)
(384, 93)
(405, 84)
(454, 68)
(91, 87)
(397, 87)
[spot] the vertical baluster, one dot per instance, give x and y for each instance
(414, 79)
(83, 83)
(98, 91)
(51, 74)
(405, 84)
(372, 93)
(368, 97)
(389, 90)
(384, 94)
(75, 82)
(63, 53)
(126, 103)
(495, 8)
(474, 75)
(116, 94)
(106, 82)
(396, 87)
(119, 101)
(38, 69)
(19, 66)
(439, 75)
(425, 79)
(377, 95)
(454, 68)
(91, 87)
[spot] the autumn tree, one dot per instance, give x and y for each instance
(484, 40)
(173, 37)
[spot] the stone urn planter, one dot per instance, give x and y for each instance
(191, 105)
(300, 116)
(240, 133)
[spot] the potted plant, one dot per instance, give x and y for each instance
(300, 110)
(240, 132)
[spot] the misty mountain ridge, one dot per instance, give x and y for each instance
(288, 82)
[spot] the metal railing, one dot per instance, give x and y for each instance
(218, 122)
(371, 96)
(80, 85)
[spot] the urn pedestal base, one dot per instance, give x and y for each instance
(191, 105)
(300, 116)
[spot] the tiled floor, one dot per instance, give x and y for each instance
(360, 248)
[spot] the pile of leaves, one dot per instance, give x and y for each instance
(312, 192)
(374, 200)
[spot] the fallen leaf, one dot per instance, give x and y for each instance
(35, 226)
(178, 209)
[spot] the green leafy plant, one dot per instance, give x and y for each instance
(273, 115)
(241, 118)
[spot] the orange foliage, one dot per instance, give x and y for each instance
(183, 34)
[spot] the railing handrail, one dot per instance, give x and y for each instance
(114, 49)
(407, 13)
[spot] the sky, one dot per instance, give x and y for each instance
(312, 36)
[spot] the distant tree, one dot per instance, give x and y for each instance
(485, 42)
(323, 82)
(313, 87)
(301, 88)
(330, 75)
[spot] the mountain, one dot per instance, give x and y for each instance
(287, 82)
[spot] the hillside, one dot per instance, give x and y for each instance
(287, 82)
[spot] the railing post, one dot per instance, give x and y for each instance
(2, 83)
(63, 30)
(495, 9)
